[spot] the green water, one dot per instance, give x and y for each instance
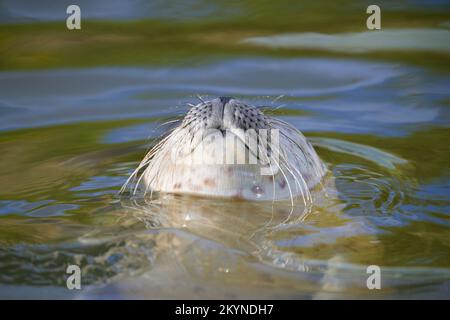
(79, 109)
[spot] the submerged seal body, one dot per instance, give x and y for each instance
(226, 148)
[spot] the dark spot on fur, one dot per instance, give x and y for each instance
(209, 182)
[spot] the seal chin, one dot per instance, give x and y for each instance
(226, 148)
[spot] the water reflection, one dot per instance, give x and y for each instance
(402, 39)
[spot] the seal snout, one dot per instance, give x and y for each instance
(225, 100)
(225, 113)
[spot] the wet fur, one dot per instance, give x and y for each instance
(299, 167)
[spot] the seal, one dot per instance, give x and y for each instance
(227, 148)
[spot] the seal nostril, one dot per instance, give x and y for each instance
(225, 100)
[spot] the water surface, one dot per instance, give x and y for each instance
(71, 131)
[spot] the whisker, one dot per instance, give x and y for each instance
(200, 98)
(278, 98)
(279, 107)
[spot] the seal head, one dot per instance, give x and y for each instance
(226, 148)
